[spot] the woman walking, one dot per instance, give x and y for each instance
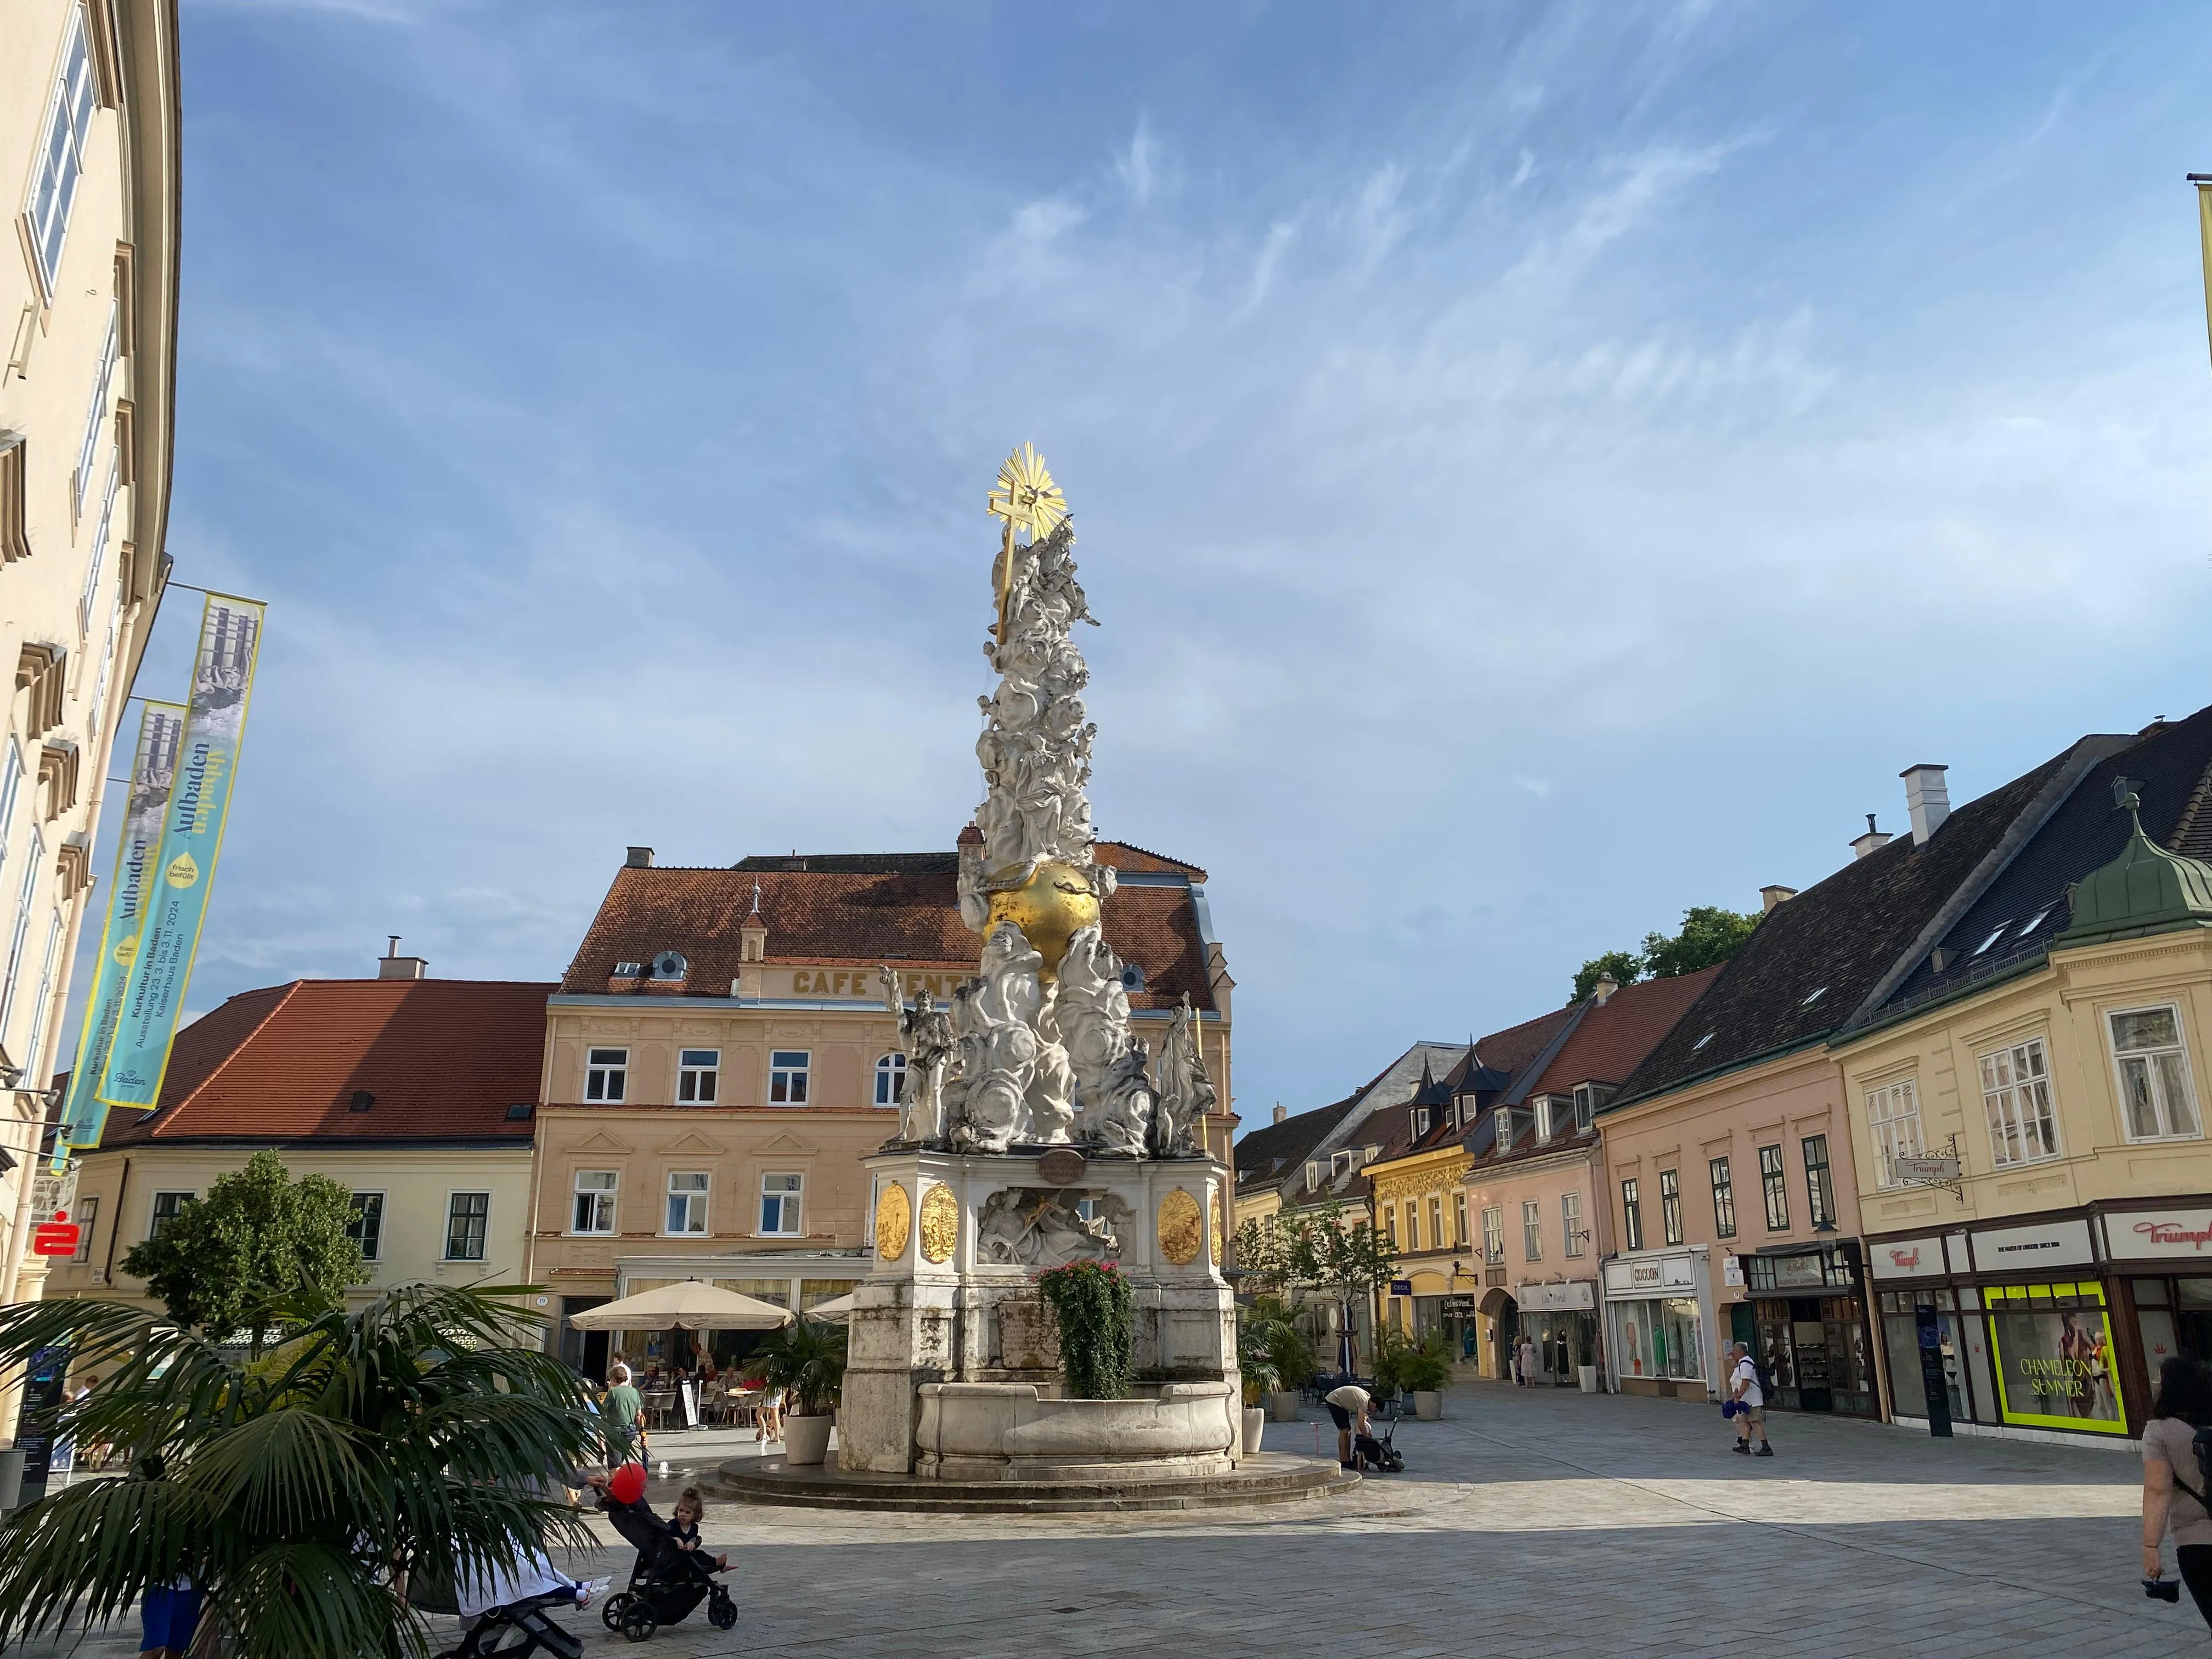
(2173, 1484)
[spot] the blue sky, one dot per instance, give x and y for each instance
(1538, 467)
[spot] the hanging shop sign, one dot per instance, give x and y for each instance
(1906, 1258)
(2161, 1235)
(191, 841)
(2030, 1249)
(161, 730)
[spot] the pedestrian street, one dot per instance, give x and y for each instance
(1528, 1523)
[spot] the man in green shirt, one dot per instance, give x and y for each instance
(625, 1420)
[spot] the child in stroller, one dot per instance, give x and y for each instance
(671, 1575)
(1380, 1456)
(504, 1604)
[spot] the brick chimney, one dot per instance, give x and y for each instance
(1926, 800)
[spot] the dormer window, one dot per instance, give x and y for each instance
(1420, 1122)
(1339, 1163)
(1313, 1176)
(1545, 1115)
(1589, 1097)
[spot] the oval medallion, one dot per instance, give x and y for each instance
(1182, 1228)
(893, 1215)
(940, 1224)
(1062, 1166)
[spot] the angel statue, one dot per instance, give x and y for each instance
(1002, 1010)
(925, 1036)
(1186, 1092)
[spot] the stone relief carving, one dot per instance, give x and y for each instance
(1042, 1227)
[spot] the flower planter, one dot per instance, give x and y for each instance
(1255, 1423)
(1428, 1403)
(1587, 1377)
(1283, 1406)
(806, 1439)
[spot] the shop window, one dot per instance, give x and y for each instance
(1893, 1116)
(1571, 1223)
(606, 1074)
(2155, 1088)
(2016, 1099)
(1773, 1189)
(787, 1076)
(1459, 1220)
(1820, 1191)
(1724, 1199)
(698, 1075)
(1532, 1229)
(1493, 1233)
(1632, 1216)
(595, 1201)
(2055, 1360)
(890, 1079)
(1670, 1204)
(366, 1229)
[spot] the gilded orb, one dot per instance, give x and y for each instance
(1050, 908)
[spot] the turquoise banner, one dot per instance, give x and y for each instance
(183, 869)
(161, 731)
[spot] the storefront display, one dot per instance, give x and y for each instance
(1963, 1345)
(1810, 1328)
(1658, 1322)
(2053, 1344)
(1662, 1338)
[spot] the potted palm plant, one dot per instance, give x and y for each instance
(1424, 1371)
(1271, 1332)
(1261, 1379)
(1585, 1370)
(806, 1360)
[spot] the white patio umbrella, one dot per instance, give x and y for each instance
(691, 1305)
(836, 1311)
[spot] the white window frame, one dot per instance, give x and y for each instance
(18, 934)
(891, 1078)
(1493, 1232)
(1571, 1223)
(43, 1006)
(483, 1240)
(368, 1253)
(791, 1204)
(1543, 1118)
(1459, 1220)
(1892, 1111)
(698, 1082)
(86, 1213)
(2019, 1101)
(1412, 1223)
(98, 707)
(1436, 1221)
(98, 562)
(60, 155)
(606, 1201)
(1532, 1229)
(600, 1074)
(790, 1074)
(2153, 1076)
(96, 417)
(695, 1199)
(154, 1216)
(11, 792)
(1420, 1122)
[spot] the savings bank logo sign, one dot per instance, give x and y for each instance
(2168, 1235)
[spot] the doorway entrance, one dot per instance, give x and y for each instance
(584, 1353)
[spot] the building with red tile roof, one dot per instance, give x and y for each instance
(419, 1095)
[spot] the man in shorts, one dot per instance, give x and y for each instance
(1349, 1406)
(1750, 1403)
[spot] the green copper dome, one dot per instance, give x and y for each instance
(2146, 890)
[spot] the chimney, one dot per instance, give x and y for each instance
(392, 965)
(1926, 800)
(1606, 985)
(1771, 897)
(640, 857)
(1862, 845)
(1279, 1113)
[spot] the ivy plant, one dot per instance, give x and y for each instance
(1096, 1315)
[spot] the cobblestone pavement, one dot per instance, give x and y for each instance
(1528, 1523)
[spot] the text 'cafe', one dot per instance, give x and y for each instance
(2049, 1324)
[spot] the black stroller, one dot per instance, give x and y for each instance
(1381, 1456)
(665, 1583)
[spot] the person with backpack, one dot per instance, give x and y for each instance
(2175, 1451)
(1749, 1395)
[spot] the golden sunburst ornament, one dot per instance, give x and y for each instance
(1026, 497)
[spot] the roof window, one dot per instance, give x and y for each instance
(363, 1100)
(2035, 921)
(1814, 998)
(521, 1111)
(1701, 1042)
(1995, 933)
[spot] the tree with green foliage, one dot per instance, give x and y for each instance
(1709, 935)
(425, 1438)
(1318, 1250)
(257, 1238)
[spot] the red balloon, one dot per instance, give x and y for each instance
(627, 1485)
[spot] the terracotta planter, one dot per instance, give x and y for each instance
(806, 1439)
(1255, 1423)
(1283, 1406)
(1428, 1403)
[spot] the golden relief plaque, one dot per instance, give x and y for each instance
(894, 1216)
(940, 1224)
(1182, 1228)
(1220, 1230)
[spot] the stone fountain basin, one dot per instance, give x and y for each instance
(1009, 1431)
